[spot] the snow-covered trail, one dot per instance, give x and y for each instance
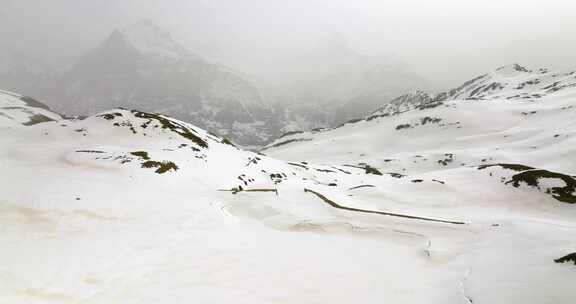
(217, 250)
(204, 254)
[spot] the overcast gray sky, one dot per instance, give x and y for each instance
(446, 41)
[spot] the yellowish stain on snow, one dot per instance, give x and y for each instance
(44, 295)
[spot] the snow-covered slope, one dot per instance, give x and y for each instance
(505, 140)
(510, 116)
(16, 110)
(130, 206)
(511, 106)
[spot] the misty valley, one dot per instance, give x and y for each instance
(144, 172)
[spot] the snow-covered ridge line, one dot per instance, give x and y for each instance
(146, 123)
(17, 110)
(10, 94)
(512, 82)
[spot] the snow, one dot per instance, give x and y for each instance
(84, 221)
(14, 110)
(152, 40)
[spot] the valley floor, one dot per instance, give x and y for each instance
(74, 237)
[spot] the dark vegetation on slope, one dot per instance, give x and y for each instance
(423, 121)
(142, 154)
(174, 126)
(403, 126)
(162, 167)
(563, 194)
(427, 105)
(298, 165)
(287, 142)
(447, 95)
(336, 205)
(277, 178)
(351, 121)
(226, 141)
(427, 119)
(290, 133)
(165, 123)
(110, 116)
(36, 119)
(31, 102)
(568, 258)
(430, 105)
(367, 168)
(239, 189)
(253, 161)
(372, 170)
(531, 176)
(449, 158)
(514, 167)
(377, 116)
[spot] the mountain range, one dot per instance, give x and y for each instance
(462, 197)
(143, 67)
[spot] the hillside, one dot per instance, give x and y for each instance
(511, 108)
(142, 66)
(18, 110)
(138, 207)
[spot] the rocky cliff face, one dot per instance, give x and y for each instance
(143, 67)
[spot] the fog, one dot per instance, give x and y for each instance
(445, 41)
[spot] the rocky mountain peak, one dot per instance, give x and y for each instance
(149, 39)
(512, 69)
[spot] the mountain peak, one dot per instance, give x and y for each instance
(150, 39)
(512, 69)
(147, 31)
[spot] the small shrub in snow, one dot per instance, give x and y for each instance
(162, 167)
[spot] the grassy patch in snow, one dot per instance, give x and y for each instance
(567, 258)
(31, 102)
(403, 126)
(226, 141)
(110, 116)
(372, 170)
(532, 177)
(173, 126)
(288, 142)
(290, 133)
(36, 119)
(142, 154)
(90, 151)
(161, 167)
(564, 194)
